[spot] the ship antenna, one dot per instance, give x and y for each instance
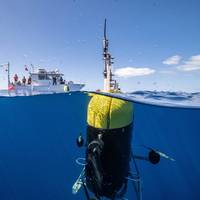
(7, 65)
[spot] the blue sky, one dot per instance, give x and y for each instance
(159, 37)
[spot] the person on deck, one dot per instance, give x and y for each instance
(15, 79)
(61, 80)
(24, 80)
(29, 80)
(54, 81)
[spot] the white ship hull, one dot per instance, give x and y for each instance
(42, 82)
(75, 87)
(42, 89)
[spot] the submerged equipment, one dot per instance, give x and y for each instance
(107, 168)
(108, 152)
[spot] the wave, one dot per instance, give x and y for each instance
(167, 98)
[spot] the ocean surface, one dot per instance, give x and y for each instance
(38, 149)
(166, 98)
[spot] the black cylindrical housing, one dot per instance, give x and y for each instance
(108, 155)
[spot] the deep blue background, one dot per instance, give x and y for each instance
(175, 131)
(38, 149)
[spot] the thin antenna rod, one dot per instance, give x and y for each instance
(8, 74)
(7, 70)
(105, 29)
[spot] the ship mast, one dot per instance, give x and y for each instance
(7, 65)
(109, 83)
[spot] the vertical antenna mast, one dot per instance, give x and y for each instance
(7, 65)
(109, 83)
(107, 62)
(8, 74)
(105, 29)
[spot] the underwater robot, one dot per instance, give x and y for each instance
(108, 157)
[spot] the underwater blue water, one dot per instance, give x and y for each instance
(38, 148)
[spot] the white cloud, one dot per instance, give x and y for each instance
(127, 72)
(191, 65)
(188, 67)
(173, 60)
(166, 72)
